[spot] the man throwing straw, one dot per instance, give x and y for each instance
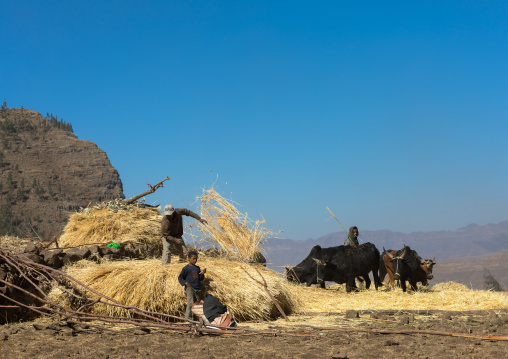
(172, 231)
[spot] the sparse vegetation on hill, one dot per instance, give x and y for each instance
(53, 120)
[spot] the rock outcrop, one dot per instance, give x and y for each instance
(46, 172)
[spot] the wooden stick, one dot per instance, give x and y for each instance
(347, 234)
(265, 286)
(150, 191)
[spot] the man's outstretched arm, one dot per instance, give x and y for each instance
(189, 213)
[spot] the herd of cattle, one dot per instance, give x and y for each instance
(342, 264)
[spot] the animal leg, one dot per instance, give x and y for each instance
(351, 284)
(377, 281)
(367, 281)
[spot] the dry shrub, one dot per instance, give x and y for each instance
(152, 286)
(15, 243)
(60, 296)
(130, 224)
(229, 229)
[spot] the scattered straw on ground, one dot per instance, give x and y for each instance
(129, 224)
(151, 286)
(230, 229)
(457, 299)
(450, 286)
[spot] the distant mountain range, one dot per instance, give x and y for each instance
(472, 241)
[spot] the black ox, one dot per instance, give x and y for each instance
(339, 264)
(406, 266)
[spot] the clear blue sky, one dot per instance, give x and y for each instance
(393, 114)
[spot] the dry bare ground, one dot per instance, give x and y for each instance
(371, 334)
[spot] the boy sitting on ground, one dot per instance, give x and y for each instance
(190, 276)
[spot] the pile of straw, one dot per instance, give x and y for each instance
(450, 286)
(130, 224)
(151, 286)
(229, 229)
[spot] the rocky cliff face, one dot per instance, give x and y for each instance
(46, 172)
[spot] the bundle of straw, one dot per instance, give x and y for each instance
(152, 286)
(130, 224)
(240, 237)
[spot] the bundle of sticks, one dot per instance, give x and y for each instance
(38, 279)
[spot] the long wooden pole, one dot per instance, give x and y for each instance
(347, 234)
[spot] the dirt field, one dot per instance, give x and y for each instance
(306, 336)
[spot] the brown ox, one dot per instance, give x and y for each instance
(425, 272)
(386, 267)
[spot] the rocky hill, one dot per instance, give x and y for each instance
(46, 172)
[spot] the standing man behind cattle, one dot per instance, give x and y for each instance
(352, 237)
(172, 231)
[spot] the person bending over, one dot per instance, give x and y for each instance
(172, 231)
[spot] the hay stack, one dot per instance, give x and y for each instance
(128, 224)
(151, 286)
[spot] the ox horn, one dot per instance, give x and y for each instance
(433, 259)
(319, 262)
(404, 253)
(389, 254)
